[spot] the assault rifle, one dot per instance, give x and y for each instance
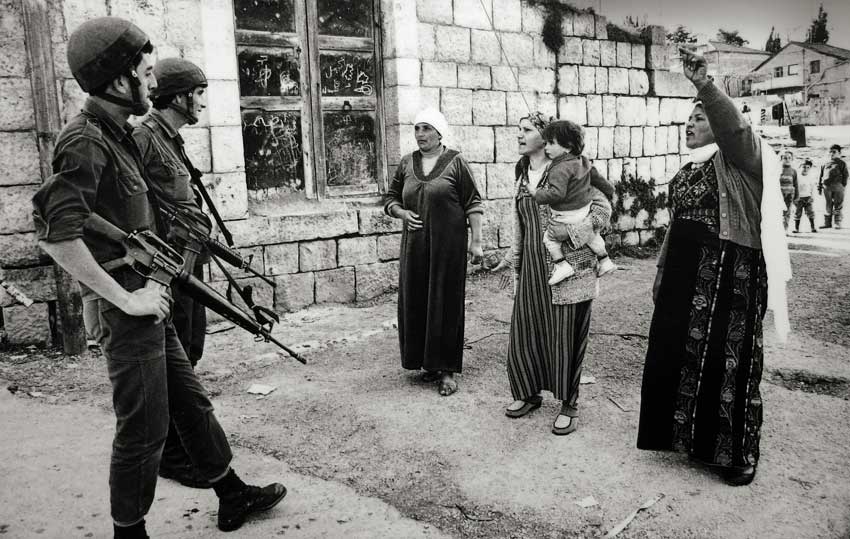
(152, 258)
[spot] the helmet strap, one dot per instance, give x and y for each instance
(188, 111)
(135, 104)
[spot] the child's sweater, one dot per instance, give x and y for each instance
(569, 182)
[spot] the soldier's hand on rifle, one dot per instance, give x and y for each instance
(149, 301)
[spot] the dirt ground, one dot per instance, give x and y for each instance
(368, 450)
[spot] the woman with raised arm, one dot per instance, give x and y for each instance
(723, 262)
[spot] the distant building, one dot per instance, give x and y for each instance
(730, 65)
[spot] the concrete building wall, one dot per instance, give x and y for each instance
(439, 53)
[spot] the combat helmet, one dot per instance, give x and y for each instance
(176, 76)
(102, 49)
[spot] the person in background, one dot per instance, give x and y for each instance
(833, 180)
(788, 184)
(434, 193)
(724, 261)
(805, 196)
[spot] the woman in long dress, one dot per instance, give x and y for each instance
(704, 361)
(550, 325)
(434, 193)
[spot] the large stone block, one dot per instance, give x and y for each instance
(684, 107)
(658, 57)
(625, 222)
(402, 72)
(21, 250)
(608, 53)
(591, 142)
(649, 141)
(473, 76)
(358, 250)
(436, 11)
(519, 103)
(454, 43)
(586, 80)
(594, 110)
(376, 279)
(638, 82)
(19, 154)
(601, 80)
(401, 140)
(289, 228)
(547, 104)
(485, 48)
(439, 74)
(488, 107)
(281, 258)
(456, 106)
(475, 142)
(590, 52)
(38, 284)
(631, 111)
(538, 79)
(601, 166)
(229, 192)
(618, 80)
(198, 147)
(375, 221)
(636, 149)
(615, 170)
(16, 208)
(605, 147)
(27, 325)
(227, 149)
(638, 55)
(568, 82)
(658, 168)
(666, 110)
(571, 52)
(400, 24)
(624, 54)
(404, 102)
(532, 19)
(543, 57)
(13, 61)
(671, 166)
(500, 180)
(601, 27)
(584, 25)
(671, 84)
(223, 107)
(631, 238)
(519, 49)
(505, 78)
(643, 168)
(652, 109)
(660, 140)
(567, 24)
(317, 255)
(389, 247)
(609, 110)
(294, 291)
(472, 14)
(574, 108)
(335, 286)
(672, 139)
(622, 141)
(506, 145)
(426, 43)
(507, 15)
(16, 105)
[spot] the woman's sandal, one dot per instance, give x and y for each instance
(531, 404)
(563, 431)
(448, 386)
(430, 376)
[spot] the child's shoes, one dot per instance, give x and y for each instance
(563, 270)
(605, 266)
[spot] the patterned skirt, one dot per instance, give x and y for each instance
(700, 391)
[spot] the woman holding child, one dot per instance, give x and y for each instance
(723, 262)
(550, 324)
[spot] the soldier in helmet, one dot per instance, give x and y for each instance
(178, 100)
(97, 169)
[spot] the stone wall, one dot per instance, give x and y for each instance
(439, 53)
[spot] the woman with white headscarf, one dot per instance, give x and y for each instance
(434, 193)
(723, 263)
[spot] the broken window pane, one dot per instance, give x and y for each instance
(268, 72)
(345, 18)
(350, 149)
(347, 74)
(265, 15)
(272, 143)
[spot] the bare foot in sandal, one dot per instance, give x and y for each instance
(448, 384)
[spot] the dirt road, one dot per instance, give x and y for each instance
(367, 450)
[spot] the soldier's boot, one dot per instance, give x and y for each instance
(827, 221)
(812, 222)
(796, 226)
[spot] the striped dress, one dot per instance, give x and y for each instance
(547, 340)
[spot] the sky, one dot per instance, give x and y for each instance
(752, 18)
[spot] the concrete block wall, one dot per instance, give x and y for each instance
(435, 53)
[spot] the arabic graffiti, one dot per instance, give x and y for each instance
(350, 146)
(347, 74)
(264, 72)
(272, 143)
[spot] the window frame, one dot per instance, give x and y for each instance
(814, 67)
(796, 69)
(778, 72)
(308, 44)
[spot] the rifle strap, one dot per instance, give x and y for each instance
(232, 284)
(195, 174)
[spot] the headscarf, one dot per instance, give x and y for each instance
(435, 119)
(538, 120)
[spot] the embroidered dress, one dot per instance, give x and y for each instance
(432, 265)
(704, 362)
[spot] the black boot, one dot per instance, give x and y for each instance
(136, 531)
(236, 500)
(738, 476)
(812, 222)
(827, 221)
(796, 226)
